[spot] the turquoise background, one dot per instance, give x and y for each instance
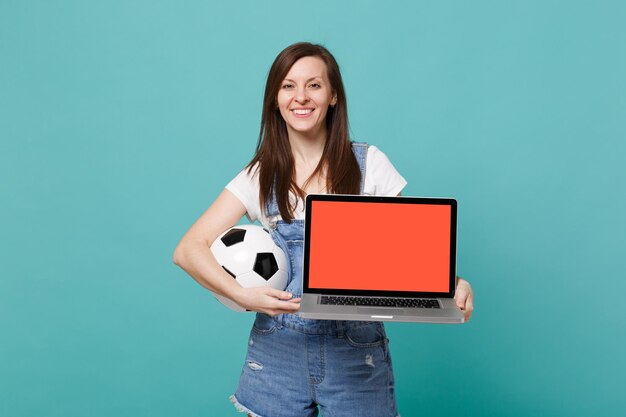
(121, 121)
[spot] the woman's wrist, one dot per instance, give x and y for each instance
(233, 291)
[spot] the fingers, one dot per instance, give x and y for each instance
(469, 308)
(281, 295)
(283, 302)
(464, 298)
(283, 309)
(460, 298)
(270, 301)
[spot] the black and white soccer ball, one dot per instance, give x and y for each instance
(251, 257)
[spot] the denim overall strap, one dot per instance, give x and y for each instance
(360, 152)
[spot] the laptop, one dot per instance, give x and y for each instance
(380, 259)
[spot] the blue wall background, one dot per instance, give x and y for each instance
(121, 121)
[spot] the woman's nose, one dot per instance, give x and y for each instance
(301, 96)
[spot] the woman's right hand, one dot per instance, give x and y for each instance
(267, 300)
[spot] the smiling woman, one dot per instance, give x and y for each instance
(295, 365)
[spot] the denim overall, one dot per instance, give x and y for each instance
(295, 364)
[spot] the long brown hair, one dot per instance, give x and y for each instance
(273, 152)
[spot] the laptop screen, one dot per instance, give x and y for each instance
(380, 244)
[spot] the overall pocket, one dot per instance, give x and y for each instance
(264, 324)
(365, 335)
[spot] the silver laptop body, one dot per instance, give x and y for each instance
(380, 259)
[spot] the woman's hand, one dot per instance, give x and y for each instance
(464, 297)
(267, 300)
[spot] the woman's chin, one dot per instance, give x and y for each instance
(304, 130)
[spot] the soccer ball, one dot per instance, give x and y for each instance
(251, 257)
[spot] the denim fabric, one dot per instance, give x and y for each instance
(294, 365)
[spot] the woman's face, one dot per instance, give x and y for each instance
(305, 95)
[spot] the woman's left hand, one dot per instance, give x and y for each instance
(464, 297)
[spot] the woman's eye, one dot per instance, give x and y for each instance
(314, 85)
(287, 85)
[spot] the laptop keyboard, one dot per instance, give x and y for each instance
(380, 301)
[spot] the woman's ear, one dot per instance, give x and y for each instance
(333, 101)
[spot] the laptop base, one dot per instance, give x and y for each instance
(449, 313)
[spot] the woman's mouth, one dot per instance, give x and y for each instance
(302, 113)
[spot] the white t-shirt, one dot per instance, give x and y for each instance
(381, 178)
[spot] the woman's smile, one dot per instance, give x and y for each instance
(302, 112)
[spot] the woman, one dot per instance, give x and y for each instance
(294, 365)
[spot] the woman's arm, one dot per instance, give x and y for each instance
(193, 254)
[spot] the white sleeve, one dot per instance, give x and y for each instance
(245, 186)
(381, 177)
